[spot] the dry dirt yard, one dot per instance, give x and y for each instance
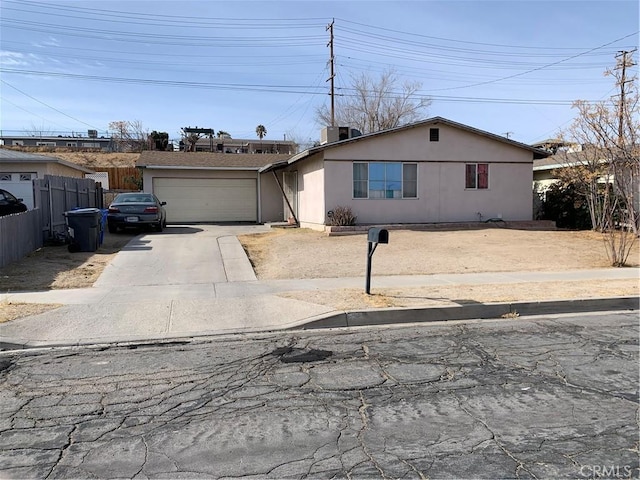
(54, 267)
(302, 253)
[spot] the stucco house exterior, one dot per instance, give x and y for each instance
(431, 171)
(18, 169)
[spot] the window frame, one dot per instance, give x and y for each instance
(477, 176)
(366, 180)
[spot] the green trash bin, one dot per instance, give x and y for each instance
(84, 225)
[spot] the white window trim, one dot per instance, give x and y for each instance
(402, 164)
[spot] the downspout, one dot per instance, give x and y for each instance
(285, 197)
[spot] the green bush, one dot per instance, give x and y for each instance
(566, 207)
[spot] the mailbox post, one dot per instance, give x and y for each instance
(375, 236)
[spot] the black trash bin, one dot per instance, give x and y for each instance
(84, 225)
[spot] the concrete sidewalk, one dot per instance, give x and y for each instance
(124, 305)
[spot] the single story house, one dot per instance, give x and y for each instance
(18, 169)
(431, 171)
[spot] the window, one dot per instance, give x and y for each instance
(5, 177)
(434, 134)
(26, 177)
(385, 180)
(477, 176)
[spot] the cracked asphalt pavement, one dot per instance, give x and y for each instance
(536, 397)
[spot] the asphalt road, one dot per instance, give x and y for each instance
(543, 397)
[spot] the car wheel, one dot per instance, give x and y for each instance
(112, 228)
(159, 227)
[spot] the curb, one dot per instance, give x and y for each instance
(372, 318)
(469, 312)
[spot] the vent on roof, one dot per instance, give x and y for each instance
(434, 134)
(336, 134)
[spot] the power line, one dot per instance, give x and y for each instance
(47, 105)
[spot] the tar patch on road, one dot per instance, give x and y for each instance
(301, 355)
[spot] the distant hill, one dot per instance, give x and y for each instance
(98, 159)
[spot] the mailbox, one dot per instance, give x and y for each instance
(375, 236)
(378, 235)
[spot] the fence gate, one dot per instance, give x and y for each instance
(55, 195)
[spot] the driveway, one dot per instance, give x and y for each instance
(188, 280)
(182, 255)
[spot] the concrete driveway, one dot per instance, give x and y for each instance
(187, 280)
(182, 255)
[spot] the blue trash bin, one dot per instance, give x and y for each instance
(103, 224)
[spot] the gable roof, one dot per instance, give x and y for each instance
(537, 153)
(208, 160)
(13, 156)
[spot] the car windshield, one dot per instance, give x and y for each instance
(139, 198)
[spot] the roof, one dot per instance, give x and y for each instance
(14, 156)
(208, 160)
(537, 153)
(565, 159)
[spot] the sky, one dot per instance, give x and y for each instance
(512, 68)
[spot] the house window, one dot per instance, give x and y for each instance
(25, 177)
(434, 134)
(385, 180)
(5, 177)
(477, 176)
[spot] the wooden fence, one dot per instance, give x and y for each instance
(20, 234)
(122, 178)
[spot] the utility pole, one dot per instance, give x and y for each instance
(331, 78)
(623, 63)
(508, 134)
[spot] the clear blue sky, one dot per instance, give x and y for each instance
(501, 66)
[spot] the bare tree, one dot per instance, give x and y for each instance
(606, 170)
(191, 139)
(373, 104)
(129, 136)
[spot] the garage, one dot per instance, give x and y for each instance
(19, 185)
(208, 199)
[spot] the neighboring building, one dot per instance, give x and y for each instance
(213, 187)
(428, 172)
(91, 141)
(18, 169)
(238, 145)
(432, 171)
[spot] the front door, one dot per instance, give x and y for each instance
(290, 187)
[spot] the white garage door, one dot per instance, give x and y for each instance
(20, 185)
(208, 199)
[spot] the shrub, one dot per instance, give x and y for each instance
(567, 207)
(342, 217)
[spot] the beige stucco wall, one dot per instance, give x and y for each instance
(41, 169)
(442, 196)
(311, 192)
(271, 198)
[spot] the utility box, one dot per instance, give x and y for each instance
(84, 226)
(378, 235)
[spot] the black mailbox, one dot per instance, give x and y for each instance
(378, 235)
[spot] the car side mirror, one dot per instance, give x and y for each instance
(163, 203)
